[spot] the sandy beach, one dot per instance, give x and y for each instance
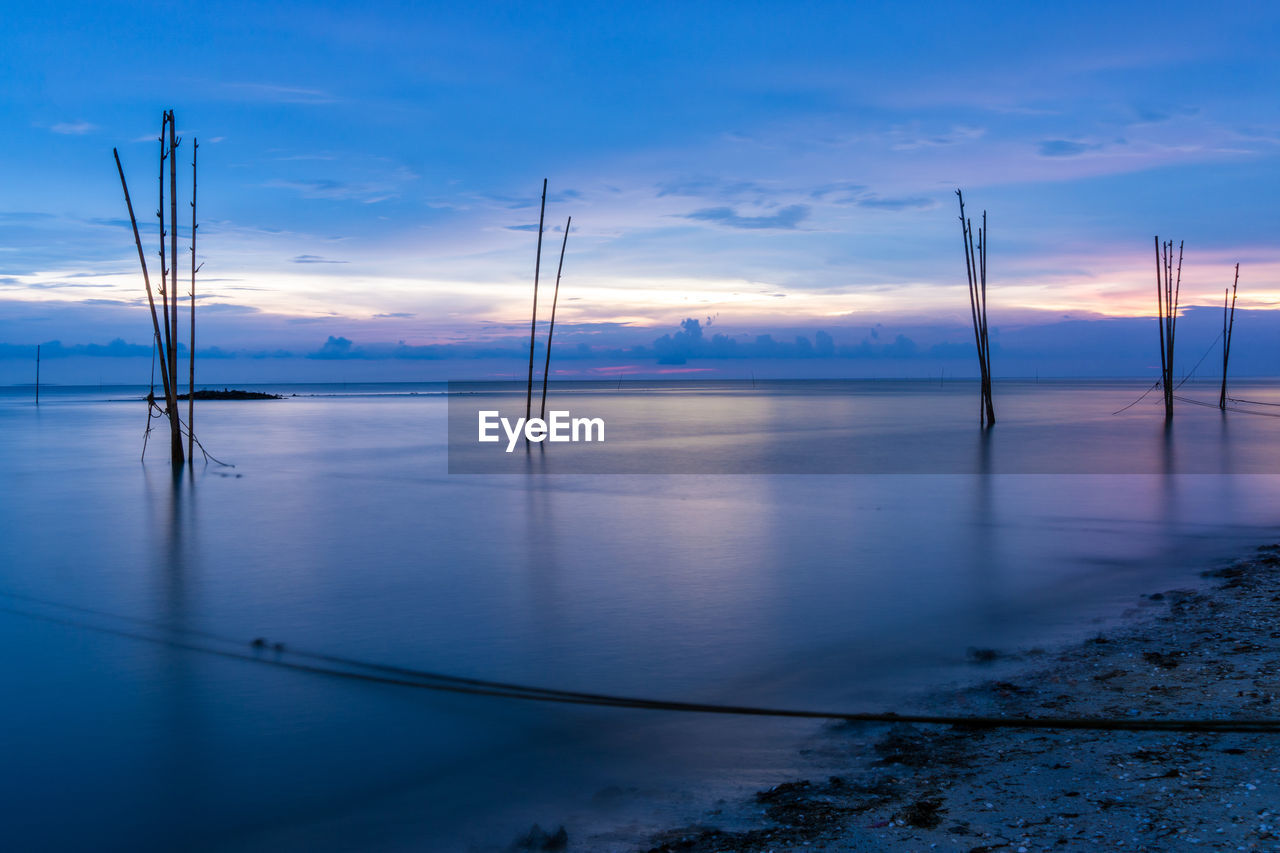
(1179, 653)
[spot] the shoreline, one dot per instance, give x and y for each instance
(1204, 653)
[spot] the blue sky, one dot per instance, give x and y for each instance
(370, 173)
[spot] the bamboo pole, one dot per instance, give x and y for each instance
(1168, 327)
(1168, 319)
(1228, 326)
(551, 330)
(169, 289)
(965, 226)
(533, 323)
(1168, 295)
(146, 277)
(1164, 370)
(170, 393)
(986, 336)
(1173, 317)
(175, 421)
(975, 263)
(173, 251)
(191, 347)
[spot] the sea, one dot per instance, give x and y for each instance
(170, 638)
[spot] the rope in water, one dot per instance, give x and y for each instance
(1179, 385)
(368, 672)
(1228, 409)
(1251, 402)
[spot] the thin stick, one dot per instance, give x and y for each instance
(986, 336)
(170, 389)
(173, 250)
(1168, 320)
(533, 323)
(142, 259)
(175, 425)
(1164, 370)
(1173, 317)
(1228, 326)
(967, 235)
(546, 369)
(968, 267)
(191, 352)
(37, 374)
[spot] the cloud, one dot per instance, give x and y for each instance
(338, 347)
(847, 192)
(786, 218)
(1148, 114)
(1065, 148)
(910, 139)
(73, 128)
(298, 157)
(709, 187)
(22, 217)
(370, 191)
(844, 192)
(330, 189)
(10, 282)
(108, 222)
(690, 342)
(117, 348)
(919, 202)
(281, 94)
(229, 308)
(397, 315)
(313, 259)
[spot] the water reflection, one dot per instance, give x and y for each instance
(345, 534)
(179, 733)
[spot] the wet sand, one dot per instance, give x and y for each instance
(1179, 654)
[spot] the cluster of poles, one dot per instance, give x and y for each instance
(975, 268)
(555, 300)
(165, 320)
(164, 316)
(1168, 292)
(1168, 289)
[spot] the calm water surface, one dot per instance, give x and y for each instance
(341, 530)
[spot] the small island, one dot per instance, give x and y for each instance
(230, 394)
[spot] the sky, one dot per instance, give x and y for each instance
(769, 184)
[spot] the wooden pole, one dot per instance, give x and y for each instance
(146, 277)
(986, 336)
(175, 421)
(1173, 317)
(533, 323)
(173, 267)
(191, 347)
(169, 289)
(1228, 326)
(546, 369)
(1168, 322)
(968, 269)
(37, 374)
(1164, 370)
(169, 392)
